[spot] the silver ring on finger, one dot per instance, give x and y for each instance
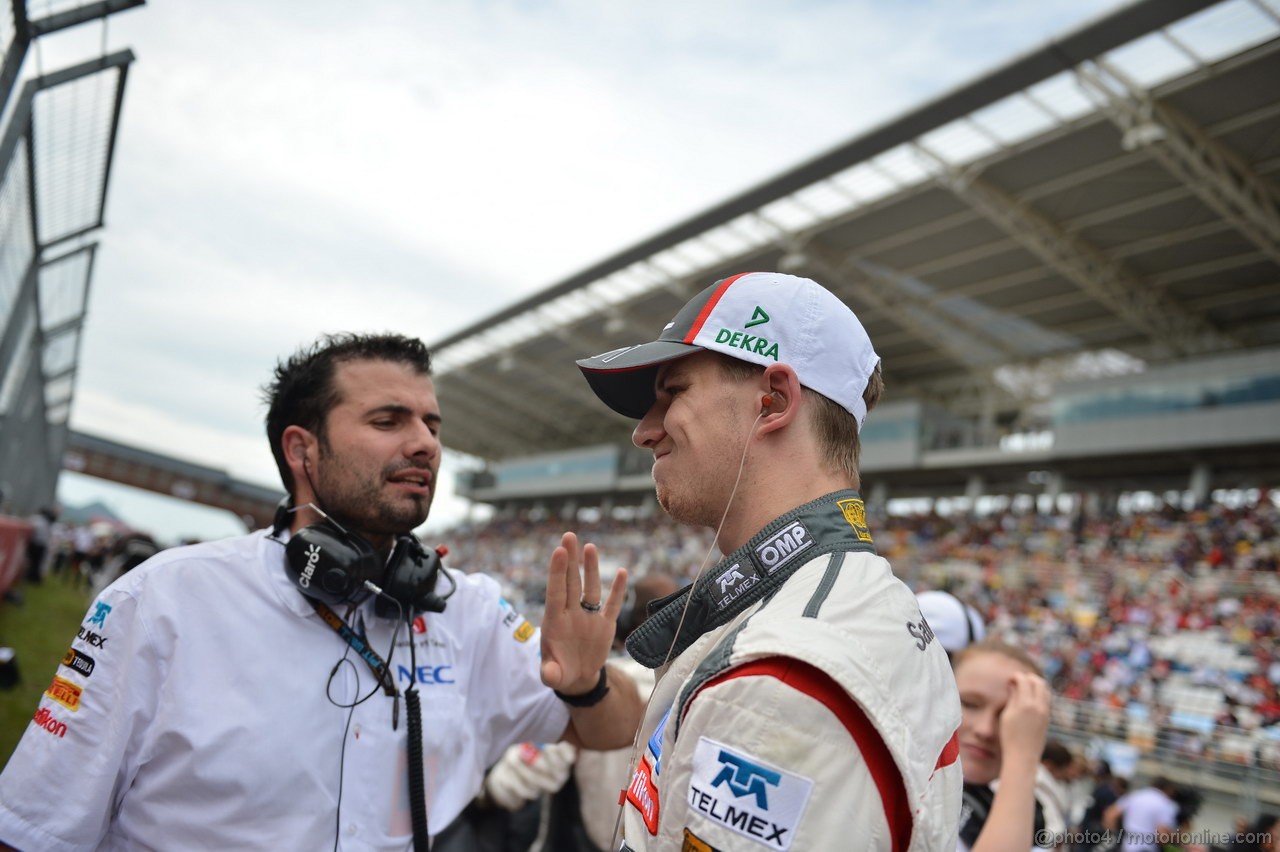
(589, 607)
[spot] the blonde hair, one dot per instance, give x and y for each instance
(836, 428)
(995, 646)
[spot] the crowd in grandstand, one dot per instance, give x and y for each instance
(1158, 628)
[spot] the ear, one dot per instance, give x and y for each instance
(298, 445)
(780, 385)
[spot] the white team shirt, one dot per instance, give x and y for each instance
(191, 713)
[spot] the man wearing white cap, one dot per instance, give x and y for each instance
(802, 701)
(955, 624)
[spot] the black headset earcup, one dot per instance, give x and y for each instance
(410, 579)
(329, 565)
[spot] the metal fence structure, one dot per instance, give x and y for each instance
(57, 141)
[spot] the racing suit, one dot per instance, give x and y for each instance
(805, 704)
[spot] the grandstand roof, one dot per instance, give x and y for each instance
(1108, 199)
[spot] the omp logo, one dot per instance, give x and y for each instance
(65, 693)
(728, 578)
(46, 720)
(748, 342)
(758, 317)
(308, 570)
(782, 546)
(100, 615)
(81, 662)
(745, 778)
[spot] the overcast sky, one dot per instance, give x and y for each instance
(289, 169)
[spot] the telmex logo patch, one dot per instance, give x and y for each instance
(746, 795)
(784, 545)
(65, 693)
(733, 583)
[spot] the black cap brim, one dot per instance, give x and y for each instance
(623, 379)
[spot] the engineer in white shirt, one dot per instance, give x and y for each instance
(323, 684)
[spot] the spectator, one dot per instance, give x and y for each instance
(1144, 815)
(38, 544)
(1004, 724)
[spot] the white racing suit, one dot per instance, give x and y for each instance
(806, 704)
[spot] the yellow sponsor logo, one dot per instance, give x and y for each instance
(694, 843)
(856, 515)
(523, 632)
(65, 693)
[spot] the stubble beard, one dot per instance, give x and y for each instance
(360, 504)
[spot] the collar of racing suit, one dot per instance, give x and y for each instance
(834, 522)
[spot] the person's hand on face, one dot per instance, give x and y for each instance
(1024, 724)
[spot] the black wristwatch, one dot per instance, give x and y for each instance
(587, 699)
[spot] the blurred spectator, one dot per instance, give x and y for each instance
(38, 544)
(1262, 835)
(1144, 815)
(1005, 718)
(955, 624)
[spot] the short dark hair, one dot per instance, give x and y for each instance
(1057, 755)
(302, 392)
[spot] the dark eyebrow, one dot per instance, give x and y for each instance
(402, 411)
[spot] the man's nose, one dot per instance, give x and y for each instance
(423, 442)
(649, 431)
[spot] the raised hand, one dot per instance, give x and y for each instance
(578, 628)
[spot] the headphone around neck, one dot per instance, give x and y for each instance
(331, 565)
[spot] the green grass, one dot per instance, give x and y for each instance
(41, 630)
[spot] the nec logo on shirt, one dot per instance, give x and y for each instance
(746, 795)
(784, 545)
(426, 675)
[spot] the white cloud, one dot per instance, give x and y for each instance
(289, 169)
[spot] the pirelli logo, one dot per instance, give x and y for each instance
(65, 693)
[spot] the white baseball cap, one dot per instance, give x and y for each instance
(956, 624)
(759, 317)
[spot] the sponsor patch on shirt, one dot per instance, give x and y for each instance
(100, 614)
(783, 546)
(97, 640)
(694, 843)
(46, 720)
(643, 793)
(65, 693)
(855, 513)
(746, 795)
(523, 632)
(78, 661)
(732, 583)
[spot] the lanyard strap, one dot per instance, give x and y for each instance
(357, 643)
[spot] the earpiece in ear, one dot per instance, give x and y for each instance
(766, 402)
